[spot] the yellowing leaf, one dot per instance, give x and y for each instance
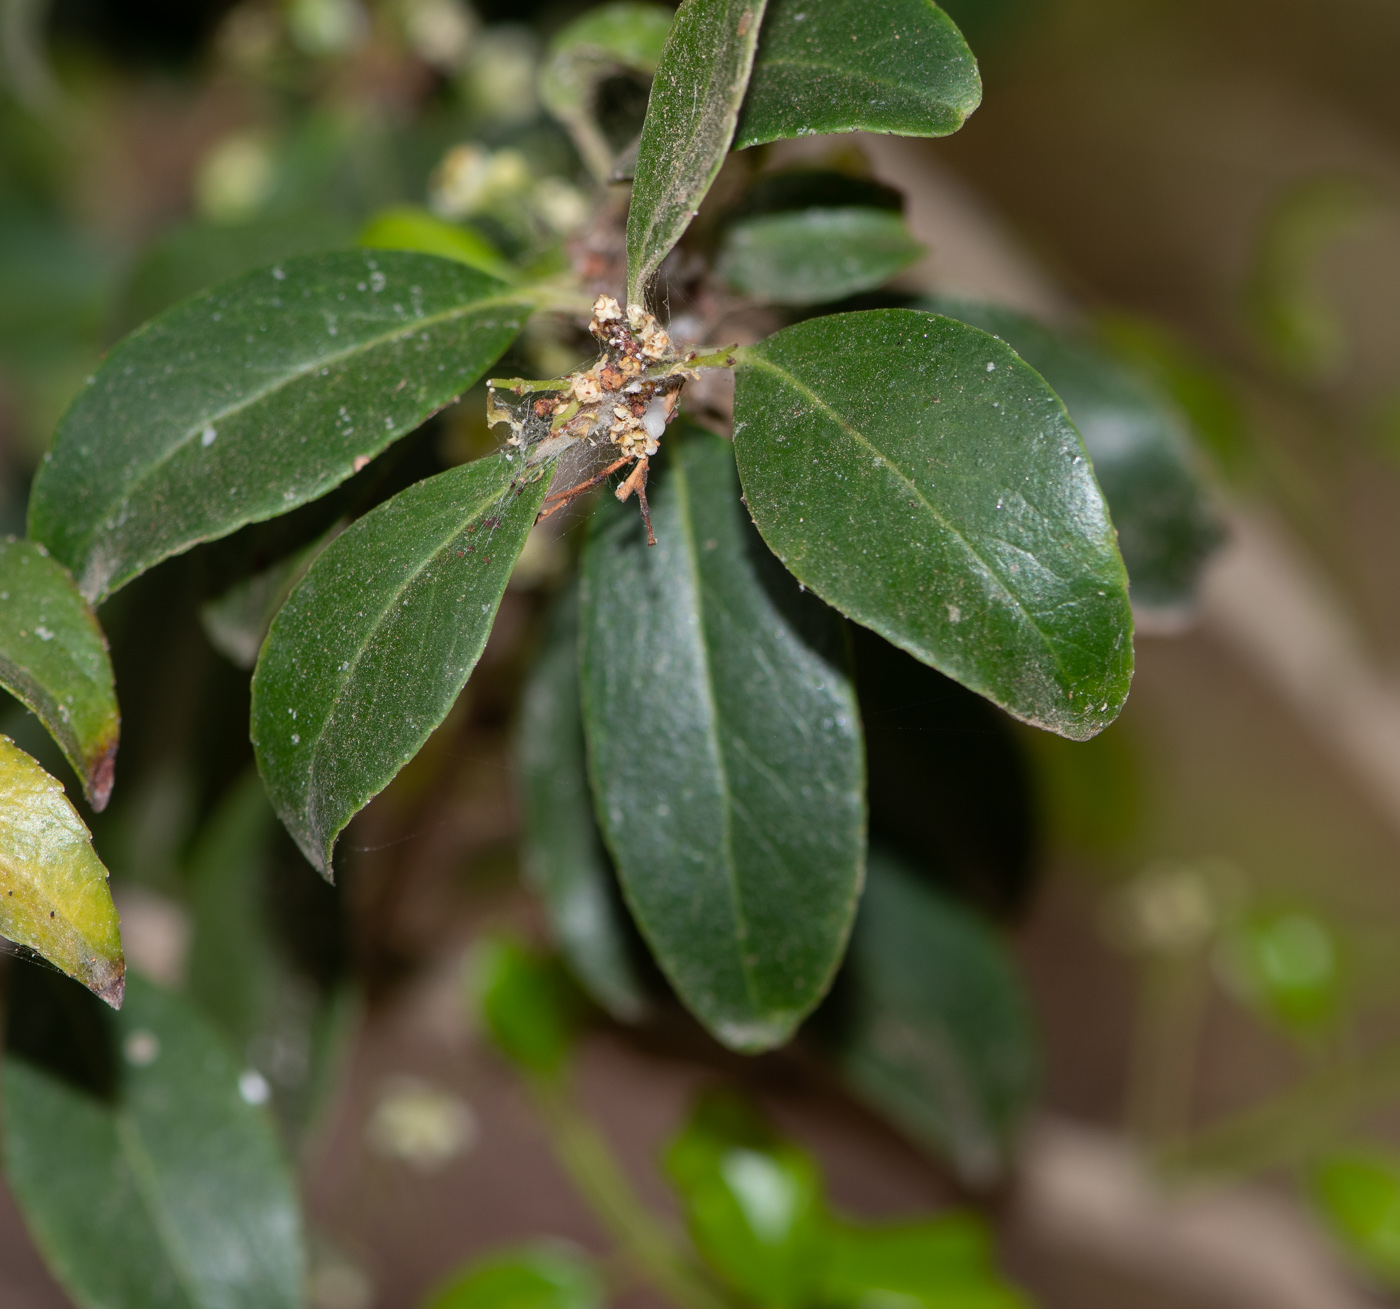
(53, 888)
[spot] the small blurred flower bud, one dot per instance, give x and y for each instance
(235, 178)
(325, 28)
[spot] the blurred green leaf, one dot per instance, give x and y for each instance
(896, 66)
(601, 42)
(1288, 312)
(231, 962)
(377, 640)
(695, 98)
(405, 227)
(939, 1263)
(1142, 459)
(1287, 963)
(1201, 390)
(753, 1203)
(708, 683)
(146, 1178)
(929, 1023)
(1358, 1195)
(816, 188)
(196, 256)
(918, 476)
(53, 657)
(53, 888)
(237, 621)
(257, 397)
(811, 256)
(526, 1004)
(529, 1277)
(564, 860)
(947, 778)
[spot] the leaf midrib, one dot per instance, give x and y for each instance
(482, 504)
(759, 360)
(256, 397)
(707, 684)
(143, 1171)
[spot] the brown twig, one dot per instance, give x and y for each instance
(563, 498)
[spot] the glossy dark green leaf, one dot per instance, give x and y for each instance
(53, 657)
(146, 1179)
(929, 1022)
(858, 66)
(609, 39)
(919, 477)
(536, 1276)
(1357, 1192)
(563, 855)
(1138, 443)
(53, 887)
(810, 256)
(941, 1263)
(374, 644)
(695, 98)
(257, 397)
(528, 1009)
(753, 1203)
(725, 751)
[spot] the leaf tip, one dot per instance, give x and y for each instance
(113, 991)
(101, 772)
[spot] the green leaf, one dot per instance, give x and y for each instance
(1288, 964)
(563, 854)
(811, 256)
(1140, 450)
(1358, 1195)
(236, 623)
(53, 888)
(53, 657)
(941, 1263)
(146, 1179)
(695, 98)
(526, 1004)
(374, 644)
(923, 480)
(753, 1203)
(930, 1025)
(724, 746)
(896, 66)
(406, 227)
(256, 397)
(537, 1276)
(601, 42)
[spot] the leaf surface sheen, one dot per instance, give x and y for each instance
(695, 97)
(563, 855)
(53, 888)
(1141, 455)
(811, 256)
(923, 480)
(163, 1190)
(377, 640)
(896, 66)
(725, 751)
(53, 657)
(256, 397)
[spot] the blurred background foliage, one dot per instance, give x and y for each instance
(1204, 899)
